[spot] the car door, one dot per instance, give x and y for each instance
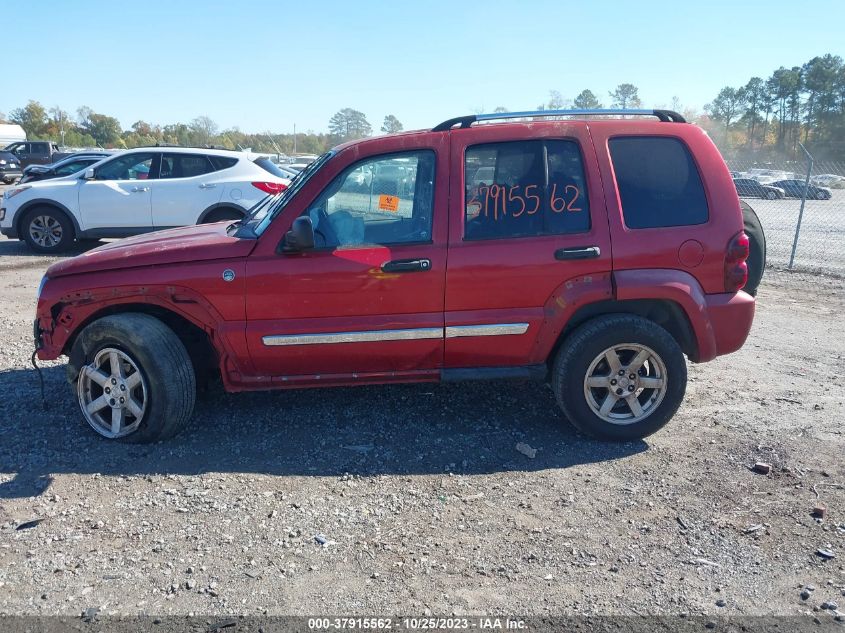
(527, 217)
(22, 151)
(367, 301)
(116, 202)
(39, 153)
(183, 190)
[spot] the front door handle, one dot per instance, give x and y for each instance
(406, 266)
(207, 185)
(140, 189)
(580, 252)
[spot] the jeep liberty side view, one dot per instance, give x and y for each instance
(592, 253)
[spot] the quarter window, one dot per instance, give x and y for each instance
(382, 200)
(659, 184)
(524, 188)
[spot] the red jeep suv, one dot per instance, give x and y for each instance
(591, 253)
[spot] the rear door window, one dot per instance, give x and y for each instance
(658, 181)
(524, 188)
(184, 165)
(222, 162)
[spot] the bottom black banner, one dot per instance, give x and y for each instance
(91, 621)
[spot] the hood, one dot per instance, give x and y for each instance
(202, 242)
(40, 169)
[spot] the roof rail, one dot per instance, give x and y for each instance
(667, 116)
(206, 146)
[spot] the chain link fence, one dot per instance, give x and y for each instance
(781, 193)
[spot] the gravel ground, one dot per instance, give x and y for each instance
(415, 499)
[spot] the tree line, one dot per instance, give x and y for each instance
(87, 128)
(770, 117)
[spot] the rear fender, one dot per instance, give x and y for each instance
(679, 287)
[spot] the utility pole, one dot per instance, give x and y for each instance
(294, 139)
(61, 124)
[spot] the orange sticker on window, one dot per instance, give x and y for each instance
(388, 203)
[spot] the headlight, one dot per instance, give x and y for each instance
(11, 193)
(2, 161)
(41, 286)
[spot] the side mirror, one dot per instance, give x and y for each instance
(89, 174)
(300, 237)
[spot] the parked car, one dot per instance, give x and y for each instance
(833, 181)
(36, 152)
(10, 167)
(137, 191)
(282, 171)
(767, 176)
(65, 167)
(750, 188)
(332, 286)
(794, 188)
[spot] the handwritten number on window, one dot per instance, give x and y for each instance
(496, 202)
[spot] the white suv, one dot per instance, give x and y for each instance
(138, 191)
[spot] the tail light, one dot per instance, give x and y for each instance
(736, 270)
(270, 187)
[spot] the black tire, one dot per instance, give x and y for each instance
(756, 248)
(218, 215)
(52, 218)
(162, 361)
(771, 195)
(586, 343)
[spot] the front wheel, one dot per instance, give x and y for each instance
(46, 230)
(134, 378)
(619, 377)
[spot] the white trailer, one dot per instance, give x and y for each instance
(11, 133)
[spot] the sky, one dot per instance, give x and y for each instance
(267, 66)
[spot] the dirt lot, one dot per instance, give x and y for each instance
(423, 502)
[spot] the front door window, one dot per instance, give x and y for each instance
(381, 200)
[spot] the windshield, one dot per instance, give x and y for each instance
(261, 218)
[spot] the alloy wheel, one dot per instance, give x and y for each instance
(46, 231)
(625, 383)
(112, 393)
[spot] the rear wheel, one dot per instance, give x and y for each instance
(135, 381)
(619, 377)
(47, 230)
(756, 248)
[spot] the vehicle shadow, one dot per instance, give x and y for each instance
(464, 428)
(19, 248)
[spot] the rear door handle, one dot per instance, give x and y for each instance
(140, 189)
(406, 265)
(207, 185)
(580, 252)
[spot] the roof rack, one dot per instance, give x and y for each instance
(666, 116)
